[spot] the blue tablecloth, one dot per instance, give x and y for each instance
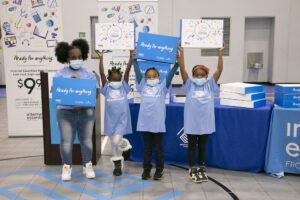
(238, 144)
(283, 149)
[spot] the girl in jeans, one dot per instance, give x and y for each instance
(72, 119)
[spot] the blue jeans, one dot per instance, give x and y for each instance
(72, 121)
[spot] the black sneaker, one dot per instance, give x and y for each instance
(202, 174)
(194, 175)
(146, 174)
(126, 154)
(118, 168)
(159, 172)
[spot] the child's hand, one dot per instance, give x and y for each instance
(180, 54)
(100, 54)
(132, 53)
(75, 76)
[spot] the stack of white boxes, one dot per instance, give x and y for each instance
(242, 95)
(287, 95)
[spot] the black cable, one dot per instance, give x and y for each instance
(234, 197)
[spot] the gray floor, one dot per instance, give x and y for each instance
(29, 178)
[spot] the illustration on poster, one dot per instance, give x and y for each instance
(50, 23)
(40, 34)
(23, 13)
(10, 41)
(7, 28)
(36, 17)
(136, 8)
(51, 43)
(149, 9)
(17, 2)
(18, 24)
(116, 8)
(26, 42)
(52, 3)
(37, 3)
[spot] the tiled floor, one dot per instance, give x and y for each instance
(29, 178)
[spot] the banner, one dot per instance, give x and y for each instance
(202, 33)
(156, 47)
(283, 149)
(30, 31)
(74, 92)
(111, 36)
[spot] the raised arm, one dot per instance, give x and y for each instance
(219, 70)
(137, 70)
(129, 64)
(101, 68)
(180, 60)
(171, 74)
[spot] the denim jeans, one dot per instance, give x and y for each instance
(70, 122)
(153, 142)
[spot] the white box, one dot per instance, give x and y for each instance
(243, 97)
(244, 104)
(241, 88)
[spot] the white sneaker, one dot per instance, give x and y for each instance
(66, 172)
(88, 170)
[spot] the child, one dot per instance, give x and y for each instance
(199, 116)
(117, 120)
(152, 115)
(72, 119)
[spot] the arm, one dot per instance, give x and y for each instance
(180, 59)
(218, 73)
(171, 75)
(137, 70)
(129, 64)
(101, 68)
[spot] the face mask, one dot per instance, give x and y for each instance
(153, 83)
(115, 84)
(76, 64)
(199, 81)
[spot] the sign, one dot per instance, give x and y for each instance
(283, 150)
(74, 91)
(156, 47)
(202, 33)
(114, 36)
(30, 31)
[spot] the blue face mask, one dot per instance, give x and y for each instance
(200, 81)
(115, 84)
(76, 64)
(153, 83)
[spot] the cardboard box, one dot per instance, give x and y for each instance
(243, 97)
(244, 104)
(287, 88)
(242, 88)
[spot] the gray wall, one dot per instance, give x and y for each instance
(76, 18)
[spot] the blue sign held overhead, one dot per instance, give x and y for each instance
(74, 92)
(156, 47)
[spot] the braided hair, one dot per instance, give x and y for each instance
(116, 70)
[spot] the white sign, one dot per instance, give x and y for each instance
(202, 33)
(30, 32)
(109, 36)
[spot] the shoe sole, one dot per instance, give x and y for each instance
(146, 178)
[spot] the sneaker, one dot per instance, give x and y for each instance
(158, 174)
(194, 175)
(202, 174)
(88, 170)
(66, 172)
(146, 174)
(118, 168)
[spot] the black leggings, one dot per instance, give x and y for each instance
(193, 140)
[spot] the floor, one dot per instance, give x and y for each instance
(23, 175)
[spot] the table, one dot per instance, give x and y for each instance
(283, 148)
(238, 144)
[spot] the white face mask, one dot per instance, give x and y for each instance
(76, 64)
(115, 84)
(153, 83)
(200, 81)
